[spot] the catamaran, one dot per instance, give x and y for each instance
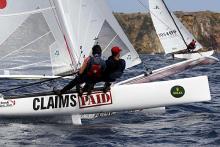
(173, 35)
(49, 39)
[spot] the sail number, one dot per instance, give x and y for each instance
(168, 34)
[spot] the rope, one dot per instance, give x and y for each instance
(33, 41)
(36, 83)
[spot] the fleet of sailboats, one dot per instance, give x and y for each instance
(46, 39)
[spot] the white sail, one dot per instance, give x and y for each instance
(113, 35)
(30, 35)
(88, 22)
(186, 34)
(167, 30)
(58, 34)
(12, 9)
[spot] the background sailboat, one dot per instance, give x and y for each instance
(173, 35)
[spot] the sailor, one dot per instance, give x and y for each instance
(191, 46)
(90, 73)
(115, 67)
(173, 56)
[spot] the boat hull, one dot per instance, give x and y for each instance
(120, 98)
(194, 55)
(170, 70)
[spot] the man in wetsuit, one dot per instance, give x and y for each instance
(115, 67)
(90, 73)
(191, 46)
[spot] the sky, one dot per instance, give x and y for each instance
(129, 6)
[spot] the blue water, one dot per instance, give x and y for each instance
(196, 124)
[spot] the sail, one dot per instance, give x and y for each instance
(30, 36)
(168, 28)
(90, 22)
(52, 37)
(10, 9)
(186, 34)
(111, 34)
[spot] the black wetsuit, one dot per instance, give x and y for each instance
(114, 69)
(191, 47)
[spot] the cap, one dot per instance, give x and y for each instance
(116, 50)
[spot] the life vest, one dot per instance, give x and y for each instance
(192, 45)
(95, 67)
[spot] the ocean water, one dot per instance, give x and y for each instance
(196, 124)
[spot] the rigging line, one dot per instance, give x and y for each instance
(2, 58)
(69, 51)
(61, 30)
(78, 30)
(96, 38)
(78, 22)
(79, 63)
(22, 66)
(55, 15)
(142, 4)
(89, 23)
(27, 12)
(110, 43)
(60, 27)
(36, 83)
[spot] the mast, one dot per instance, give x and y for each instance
(175, 23)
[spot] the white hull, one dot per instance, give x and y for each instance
(121, 98)
(158, 110)
(194, 55)
(170, 70)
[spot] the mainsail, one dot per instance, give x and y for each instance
(27, 39)
(173, 35)
(90, 22)
(56, 35)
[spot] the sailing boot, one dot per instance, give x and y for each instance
(57, 92)
(79, 90)
(90, 88)
(107, 87)
(86, 89)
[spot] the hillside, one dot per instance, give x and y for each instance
(205, 26)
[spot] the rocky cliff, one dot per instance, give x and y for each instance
(205, 26)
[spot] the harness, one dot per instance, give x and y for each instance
(96, 67)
